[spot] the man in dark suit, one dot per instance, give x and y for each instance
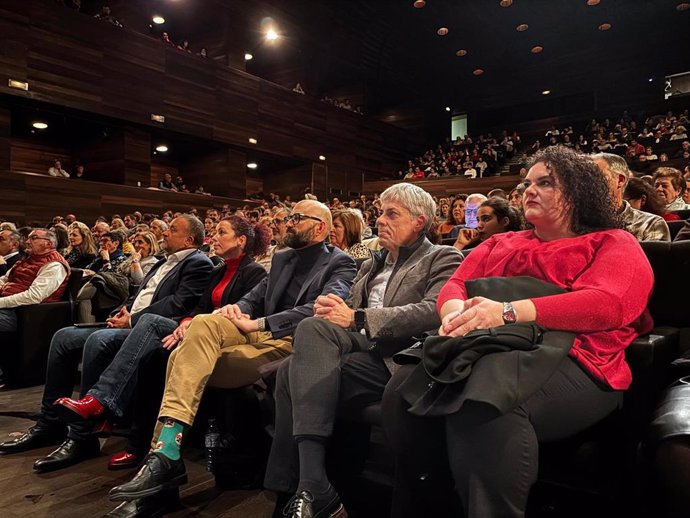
(229, 346)
(171, 289)
(341, 356)
(11, 249)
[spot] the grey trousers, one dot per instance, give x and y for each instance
(331, 371)
(494, 464)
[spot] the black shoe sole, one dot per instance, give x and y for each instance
(134, 495)
(69, 416)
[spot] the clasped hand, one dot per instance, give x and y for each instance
(120, 320)
(477, 313)
(242, 321)
(334, 309)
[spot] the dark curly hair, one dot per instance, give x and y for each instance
(451, 218)
(585, 190)
(503, 209)
(258, 235)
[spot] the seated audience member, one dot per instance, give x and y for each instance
(492, 446)
(515, 197)
(110, 254)
(209, 227)
(107, 16)
(60, 231)
(11, 249)
(679, 133)
(144, 257)
(346, 234)
(165, 38)
(109, 388)
(172, 289)
(158, 227)
(640, 194)
(39, 277)
(494, 216)
(340, 358)
(231, 344)
(670, 184)
(118, 224)
(166, 183)
(685, 148)
(82, 246)
(203, 52)
(78, 173)
(279, 226)
(456, 215)
(57, 170)
(130, 221)
(643, 225)
(100, 229)
(185, 46)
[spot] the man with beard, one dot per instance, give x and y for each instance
(240, 338)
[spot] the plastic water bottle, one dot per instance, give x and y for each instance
(212, 443)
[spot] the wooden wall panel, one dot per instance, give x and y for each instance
(137, 157)
(222, 173)
(291, 181)
(102, 158)
(5, 127)
(34, 157)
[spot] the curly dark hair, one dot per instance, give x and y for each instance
(585, 190)
(503, 209)
(451, 219)
(258, 235)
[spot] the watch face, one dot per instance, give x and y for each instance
(509, 315)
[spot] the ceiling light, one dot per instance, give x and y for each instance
(158, 118)
(162, 148)
(40, 125)
(604, 27)
(158, 20)
(419, 4)
(321, 157)
(252, 165)
(252, 140)
(537, 49)
(522, 27)
(593, 2)
(651, 79)
(506, 3)
(19, 85)
(460, 53)
(546, 92)
(683, 6)
(447, 108)
(442, 31)
(478, 72)
(248, 56)
(271, 35)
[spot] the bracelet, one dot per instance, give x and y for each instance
(261, 322)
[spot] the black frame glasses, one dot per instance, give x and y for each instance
(297, 217)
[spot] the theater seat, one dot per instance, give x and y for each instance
(25, 353)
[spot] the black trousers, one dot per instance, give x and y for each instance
(331, 371)
(493, 464)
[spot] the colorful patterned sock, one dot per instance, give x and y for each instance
(170, 439)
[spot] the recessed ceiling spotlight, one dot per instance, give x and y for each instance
(537, 49)
(651, 79)
(162, 148)
(248, 57)
(604, 27)
(478, 72)
(442, 31)
(271, 35)
(419, 4)
(252, 165)
(522, 27)
(546, 92)
(593, 2)
(460, 53)
(252, 140)
(40, 125)
(321, 157)
(158, 20)
(447, 108)
(683, 6)
(505, 3)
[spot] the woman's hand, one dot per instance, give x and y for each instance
(478, 313)
(104, 254)
(136, 257)
(465, 236)
(171, 341)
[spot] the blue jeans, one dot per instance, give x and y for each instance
(64, 356)
(8, 320)
(115, 381)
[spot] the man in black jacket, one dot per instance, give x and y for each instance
(11, 249)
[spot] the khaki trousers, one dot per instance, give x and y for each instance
(216, 352)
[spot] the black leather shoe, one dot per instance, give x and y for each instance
(68, 453)
(303, 505)
(35, 437)
(158, 473)
(150, 507)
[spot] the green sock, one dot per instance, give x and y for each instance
(170, 439)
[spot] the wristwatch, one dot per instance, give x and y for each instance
(509, 314)
(360, 320)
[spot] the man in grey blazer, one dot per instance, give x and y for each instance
(237, 339)
(340, 355)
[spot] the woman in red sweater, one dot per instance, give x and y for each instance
(576, 244)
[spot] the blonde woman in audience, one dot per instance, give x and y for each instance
(82, 247)
(142, 259)
(346, 234)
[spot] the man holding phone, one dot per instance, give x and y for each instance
(171, 289)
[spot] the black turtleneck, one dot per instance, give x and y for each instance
(306, 257)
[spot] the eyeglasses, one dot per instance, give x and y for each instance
(33, 238)
(297, 217)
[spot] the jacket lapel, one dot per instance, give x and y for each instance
(169, 275)
(284, 277)
(322, 262)
(398, 277)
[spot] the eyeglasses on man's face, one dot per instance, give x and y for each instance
(297, 217)
(33, 237)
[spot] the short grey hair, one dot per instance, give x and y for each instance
(413, 198)
(50, 235)
(617, 164)
(161, 223)
(196, 228)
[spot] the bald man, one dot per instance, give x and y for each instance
(225, 349)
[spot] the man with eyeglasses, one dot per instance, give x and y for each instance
(40, 277)
(341, 359)
(279, 228)
(235, 341)
(11, 249)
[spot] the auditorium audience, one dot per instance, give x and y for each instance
(491, 442)
(346, 233)
(144, 257)
(456, 215)
(166, 183)
(82, 246)
(494, 216)
(57, 170)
